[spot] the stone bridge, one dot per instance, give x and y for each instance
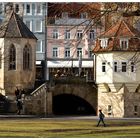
(67, 96)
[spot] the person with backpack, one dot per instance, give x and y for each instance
(101, 118)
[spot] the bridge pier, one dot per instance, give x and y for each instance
(49, 104)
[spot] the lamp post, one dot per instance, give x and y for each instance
(45, 57)
(45, 101)
(94, 67)
(80, 63)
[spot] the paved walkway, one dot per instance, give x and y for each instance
(63, 117)
(17, 116)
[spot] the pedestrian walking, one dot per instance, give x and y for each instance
(101, 118)
(19, 106)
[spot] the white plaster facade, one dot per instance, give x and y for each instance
(118, 89)
(118, 71)
(117, 77)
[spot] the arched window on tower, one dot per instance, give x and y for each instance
(12, 57)
(27, 57)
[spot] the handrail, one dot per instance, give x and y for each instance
(38, 88)
(28, 97)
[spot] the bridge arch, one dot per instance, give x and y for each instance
(85, 95)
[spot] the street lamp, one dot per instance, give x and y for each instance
(80, 63)
(94, 67)
(45, 99)
(45, 57)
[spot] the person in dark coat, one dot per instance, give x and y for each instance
(17, 93)
(101, 118)
(19, 107)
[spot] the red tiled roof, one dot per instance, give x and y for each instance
(114, 33)
(121, 29)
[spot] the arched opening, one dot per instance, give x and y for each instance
(68, 104)
(12, 57)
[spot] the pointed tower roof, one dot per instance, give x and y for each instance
(14, 27)
(121, 29)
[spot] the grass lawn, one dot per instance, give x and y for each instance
(50, 128)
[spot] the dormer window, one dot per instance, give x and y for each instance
(124, 44)
(104, 42)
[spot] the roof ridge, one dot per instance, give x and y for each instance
(108, 29)
(118, 27)
(14, 14)
(8, 19)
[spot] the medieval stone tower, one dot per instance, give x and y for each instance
(17, 55)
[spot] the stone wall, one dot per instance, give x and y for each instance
(124, 102)
(19, 77)
(39, 102)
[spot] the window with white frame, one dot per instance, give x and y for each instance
(65, 15)
(115, 67)
(29, 24)
(104, 42)
(103, 66)
(79, 51)
(124, 43)
(55, 34)
(38, 26)
(38, 8)
(28, 9)
(124, 66)
(67, 34)
(55, 52)
(67, 52)
(84, 15)
(40, 48)
(79, 34)
(132, 67)
(92, 34)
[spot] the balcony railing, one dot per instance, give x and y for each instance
(72, 80)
